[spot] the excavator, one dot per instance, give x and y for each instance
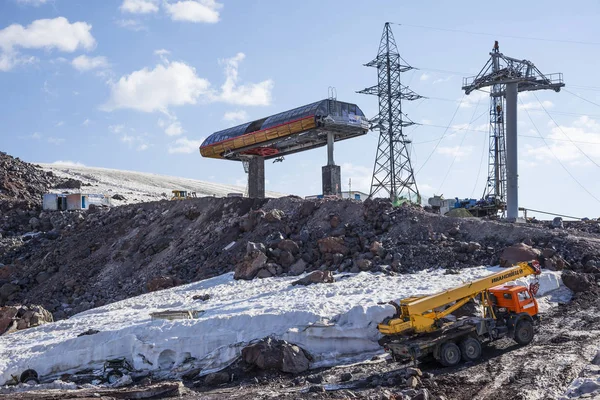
(424, 326)
(182, 195)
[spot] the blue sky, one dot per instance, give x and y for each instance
(138, 84)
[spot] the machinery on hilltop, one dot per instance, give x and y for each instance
(424, 326)
(182, 195)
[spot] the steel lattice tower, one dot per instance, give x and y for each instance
(496, 181)
(393, 172)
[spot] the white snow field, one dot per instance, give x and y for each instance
(138, 187)
(336, 323)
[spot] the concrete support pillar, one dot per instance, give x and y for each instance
(332, 180)
(512, 174)
(330, 139)
(256, 178)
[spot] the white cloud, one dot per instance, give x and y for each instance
(535, 105)
(194, 11)
(162, 52)
(455, 151)
(584, 134)
(477, 96)
(116, 128)
(177, 83)
(424, 76)
(185, 146)
(69, 163)
(361, 177)
(157, 89)
(35, 3)
(86, 122)
(59, 124)
(131, 24)
(235, 116)
(139, 6)
(135, 141)
(48, 34)
(442, 80)
(54, 140)
(251, 94)
(36, 135)
(172, 127)
(85, 63)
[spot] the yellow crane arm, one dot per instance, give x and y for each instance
(419, 313)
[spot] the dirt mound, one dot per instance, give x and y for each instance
(81, 260)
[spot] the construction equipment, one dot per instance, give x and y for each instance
(183, 195)
(424, 326)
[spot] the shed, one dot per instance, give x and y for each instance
(77, 201)
(54, 202)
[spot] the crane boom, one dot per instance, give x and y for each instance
(420, 314)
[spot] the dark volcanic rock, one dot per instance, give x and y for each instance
(273, 354)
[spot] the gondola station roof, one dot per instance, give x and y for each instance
(288, 132)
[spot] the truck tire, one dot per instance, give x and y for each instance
(449, 354)
(524, 332)
(470, 349)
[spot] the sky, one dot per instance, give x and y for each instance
(139, 84)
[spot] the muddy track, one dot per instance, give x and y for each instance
(566, 341)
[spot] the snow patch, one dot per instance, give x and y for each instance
(336, 323)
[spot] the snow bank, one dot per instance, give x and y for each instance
(335, 322)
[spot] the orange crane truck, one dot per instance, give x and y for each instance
(422, 326)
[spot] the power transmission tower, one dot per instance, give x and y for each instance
(511, 76)
(393, 172)
(496, 182)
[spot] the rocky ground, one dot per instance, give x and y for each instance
(69, 262)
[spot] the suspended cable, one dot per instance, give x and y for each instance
(563, 132)
(499, 35)
(459, 146)
(558, 159)
(438, 143)
(480, 166)
(582, 98)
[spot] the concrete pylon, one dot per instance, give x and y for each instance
(331, 173)
(256, 177)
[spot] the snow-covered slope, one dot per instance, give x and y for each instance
(139, 187)
(335, 322)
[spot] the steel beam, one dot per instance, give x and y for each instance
(512, 174)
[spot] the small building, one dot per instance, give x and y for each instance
(54, 202)
(77, 201)
(354, 195)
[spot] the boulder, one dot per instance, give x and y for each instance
(23, 317)
(288, 245)
(332, 245)
(252, 248)
(315, 277)
(162, 282)
(548, 252)
(518, 253)
(216, 378)
(298, 267)
(274, 215)
(472, 247)
(7, 315)
(557, 222)
(286, 259)
(248, 268)
(334, 221)
(578, 282)
(264, 273)
(275, 354)
(377, 249)
(363, 264)
(7, 290)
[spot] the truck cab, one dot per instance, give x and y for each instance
(514, 299)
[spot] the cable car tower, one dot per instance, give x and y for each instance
(393, 172)
(508, 76)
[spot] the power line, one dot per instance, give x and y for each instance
(460, 145)
(558, 159)
(563, 132)
(582, 98)
(497, 35)
(447, 127)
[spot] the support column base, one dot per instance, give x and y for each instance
(332, 180)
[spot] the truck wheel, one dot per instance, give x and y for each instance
(524, 332)
(470, 349)
(449, 354)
